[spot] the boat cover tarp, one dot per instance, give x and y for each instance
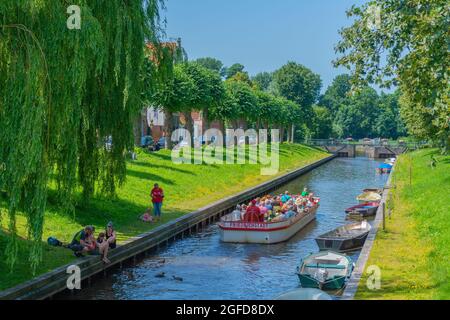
(385, 166)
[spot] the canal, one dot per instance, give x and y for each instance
(214, 270)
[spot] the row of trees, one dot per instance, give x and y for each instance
(230, 96)
(365, 113)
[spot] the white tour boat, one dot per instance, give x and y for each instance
(265, 232)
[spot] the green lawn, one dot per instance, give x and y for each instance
(414, 251)
(187, 187)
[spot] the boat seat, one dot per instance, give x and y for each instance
(327, 266)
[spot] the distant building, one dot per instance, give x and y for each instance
(151, 120)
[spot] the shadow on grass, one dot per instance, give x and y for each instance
(149, 177)
(160, 166)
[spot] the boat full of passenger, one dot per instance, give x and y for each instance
(269, 219)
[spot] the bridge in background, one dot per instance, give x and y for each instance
(370, 148)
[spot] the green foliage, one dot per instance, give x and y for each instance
(297, 83)
(361, 113)
(337, 94)
(212, 64)
(408, 48)
(322, 123)
(388, 123)
(241, 102)
(263, 80)
(233, 69)
(357, 119)
(63, 92)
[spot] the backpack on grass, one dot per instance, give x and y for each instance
(52, 241)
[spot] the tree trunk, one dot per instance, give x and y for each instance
(168, 128)
(205, 117)
(258, 124)
(292, 133)
(205, 125)
(288, 137)
(224, 133)
(189, 125)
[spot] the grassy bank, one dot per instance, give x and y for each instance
(414, 251)
(187, 187)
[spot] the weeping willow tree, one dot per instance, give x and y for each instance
(63, 93)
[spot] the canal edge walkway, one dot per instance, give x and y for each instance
(353, 283)
(48, 284)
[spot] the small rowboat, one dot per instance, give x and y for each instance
(390, 161)
(265, 232)
(345, 238)
(384, 168)
(326, 270)
(368, 197)
(304, 294)
(365, 209)
(376, 190)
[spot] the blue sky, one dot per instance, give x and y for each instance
(261, 34)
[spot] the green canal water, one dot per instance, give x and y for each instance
(214, 270)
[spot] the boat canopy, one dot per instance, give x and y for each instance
(385, 166)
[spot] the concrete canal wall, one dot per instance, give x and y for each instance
(382, 213)
(51, 283)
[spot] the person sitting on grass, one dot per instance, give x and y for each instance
(81, 241)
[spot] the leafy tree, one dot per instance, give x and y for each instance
(322, 124)
(178, 94)
(241, 102)
(212, 64)
(233, 69)
(299, 84)
(209, 91)
(263, 80)
(62, 94)
(389, 123)
(243, 77)
(408, 47)
(337, 94)
(357, 119)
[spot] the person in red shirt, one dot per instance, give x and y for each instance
(157, 195)
(253, 214)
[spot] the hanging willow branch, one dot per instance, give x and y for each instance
(63, 93)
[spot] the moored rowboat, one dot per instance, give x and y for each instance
(326, 270)
(368, 197)
(265, 232)
(365, 209)
(345, 238)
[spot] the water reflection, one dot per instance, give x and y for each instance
(211, 269)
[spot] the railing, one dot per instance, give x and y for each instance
(372, 143)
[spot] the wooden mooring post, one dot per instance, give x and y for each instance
(383, 209)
